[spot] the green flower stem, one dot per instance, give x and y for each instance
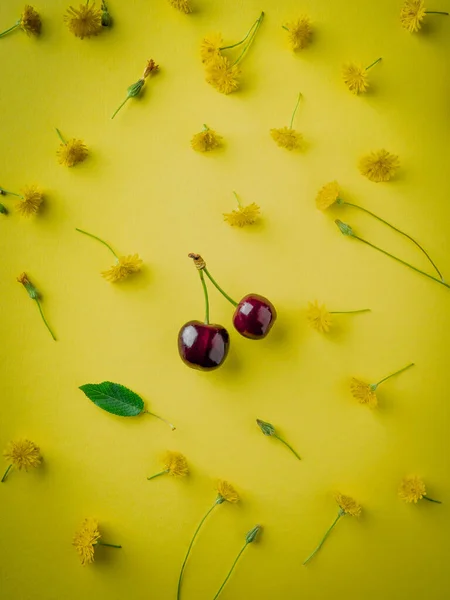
(242, 41)
(100, 543)
(286, 444)
(98, 239)
(342, 202)
(44, 319)
(340, 514)
(349, 312)
(237, 199)
(10, 193)
(295, 110)
(252, 37)
(436, 12)
(431, 500)
(10, 29)
(60, 136)
(121, 106)
(373, 64)
(147, 412)
(284, 27)
(217, 286)
(205, 292)
(190, 547)
(393, 374)
(231, 570)
(158, 474)
(6, 473)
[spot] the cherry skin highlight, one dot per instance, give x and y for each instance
(254, 316)
(203, 347)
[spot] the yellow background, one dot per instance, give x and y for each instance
(144, 190)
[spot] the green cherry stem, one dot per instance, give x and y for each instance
(349, 312)
(6, 473)
(340, 514)
(98, 239)
(295, 110)
(252, 37)
(10, 29)
(287, 445)
(242, 41)
(60, 136)
(44, 319)
(100, 543)
(231, 570)
(431, 500)
(373, 64)
(147, 412)
(205, 292)
(158, 474)
(375, 385)
(217, 286)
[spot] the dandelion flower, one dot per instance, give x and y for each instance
(175, 464)
(413, 13)
(85, 540)
(71, 153)
(327, 195)
(30, 21)
(30, 201)
(356, 78)
(379, 166)
(222, 75)
(363, 392)
(85, 21)
(227, 492)
(22, 454)
(300, 33)
(244, 215)
(181, 5)
(206, 140)
(210, 47)
(318, 317)
(412, 489)
(126, 266)
(287, 138)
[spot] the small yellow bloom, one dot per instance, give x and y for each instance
(182, 5)
(355, 78)
(318, 317)
(150, 69)
(300, 33)
(412, 489)
(176, 464)
(227, 492)
(84, 21)
(210, 47)
(412, 14)
(23, 454)
(348, 505)
(327, 195)
(222, 75)
(206, 140)
(30, 21)
(288, 138)
(85, 539)
(364, 393)
(72, 153)
(379, 166)
(126, 265)
(244, 215)
(30, 201)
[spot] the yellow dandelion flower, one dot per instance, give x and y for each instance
(300, 33)
(287, 138)
(72, 153)
(176, 464)
(30, 21)
(206, 140)
(412, 14)
(327, 195)
(126, 266)
(363, 392)
(348, 505)
(222, 75)
(85, 21)
(227, 492)
(85, 539)
(30, 201)
(318, 317)
(412, 489)
(244, 215)
(210, 47)
(23, 454)
(379, 166)
(355, 78)
(183, 6)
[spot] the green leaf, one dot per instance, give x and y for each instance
(114, 398)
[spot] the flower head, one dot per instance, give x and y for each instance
(84, 21)
(327, 195)
(227, 492)
(412, 14)
(355, 78)
(182, 5)
(244, 215)
(210, 47)
(126, 265)
(30, 21)
(287, 138)
(150, 69)
(85, 539)
(348, 505)
(32, 291)
(318, 317)
(206, 140)
(30, 201)
(222, 75)
(379, 166)
(300, 33)
(364, 393)
(72, 153)
(176, 464)
(412, 489)
(23, 454)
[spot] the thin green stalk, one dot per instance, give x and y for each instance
(123, 103)
(242, 41)
(98, 239)
(431, 500)
(284, 27)
(205, 292)
(349, 312)
(252, 37)
(373, 64)
(44, 319)
(340, 514)
(342, 202)
(295, 110)
(100, 543)
(190, 547)
(436, 12)
(237, 199)
(10, 29)
(158, 474)
(147, 412)
(10, 193)
(286, 444)
(393, 374)
(217, 286)
(231, 570)
(6, 473)
(60, 136)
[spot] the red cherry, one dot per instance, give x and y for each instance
(254, 316)
(203, 346)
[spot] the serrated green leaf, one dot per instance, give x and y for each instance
(114, 398)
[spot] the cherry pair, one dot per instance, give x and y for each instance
(205, 346)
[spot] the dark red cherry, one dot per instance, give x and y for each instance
(254, 316)
(203, 347)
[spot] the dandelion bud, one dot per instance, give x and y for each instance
(3, 209)
(32, 291)
(266, 428)
(135, 88)
(344, 228)
(251, 535)
(106, 17)
(198, 261)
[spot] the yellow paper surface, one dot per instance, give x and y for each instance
(144, 190)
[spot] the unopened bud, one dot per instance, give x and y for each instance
(266, 428)
(344, 228)
(3, 209)
(198, 261)
(32, 291)
(251, 535)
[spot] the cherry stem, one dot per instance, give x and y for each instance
(287, 445)
(242, 41)
(10, 29)
(6, 473)
(295, 110)
(375, 385)
(205, 292)
(98, 239)
(231, 570)
(373, 64)
(44, 319)
(249, 43)
(217, 286)
(349, 312)
(100, 543)
(340, 514)
(60, 136)
(158, 474)
(147, 412)
(432, 500)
